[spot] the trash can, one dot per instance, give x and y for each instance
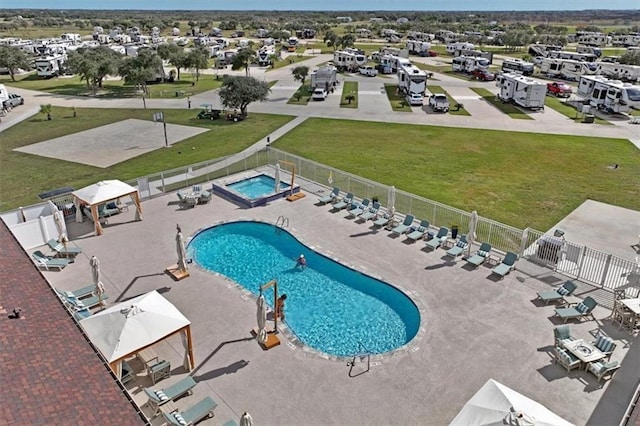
(454, 231)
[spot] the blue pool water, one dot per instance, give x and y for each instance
(329, 306)
(256, 187)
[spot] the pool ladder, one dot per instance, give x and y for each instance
(282, 222)
(364, 355)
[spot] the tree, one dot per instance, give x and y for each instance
(45, 109)
(243, 60)
(94, 64)
(13, 59)
(198, 59)
(632, 57)
(239, 92)
(331, 39)
(139, 70)
(348, 40)
(175, 55)
(300, 73)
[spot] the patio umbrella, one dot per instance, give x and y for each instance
(330, 180)
(497, 404)
(95, 273)
(246, 420)
(182, 256)
(277, 177)
(473, 224)
(523, 241)
(262, 320)
(391, 208)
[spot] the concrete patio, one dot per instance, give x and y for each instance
(474, 327)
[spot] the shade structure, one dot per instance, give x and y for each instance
(391, 200)
(497, 404)
(277, 178)
(473, 225)
(126, 328)
(182, 255)
(261, 315)
(246, 420)
(95, 273)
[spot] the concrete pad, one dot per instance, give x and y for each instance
(107, 145)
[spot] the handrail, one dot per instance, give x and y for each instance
(285, 222)
(364, 354)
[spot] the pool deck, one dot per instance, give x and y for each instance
(475, 327)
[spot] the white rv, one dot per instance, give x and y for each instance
(418, 47)
(609, 95)
(615, 71)
(517, 65)
(363, 33)
(626, 40)
(4, 95)
(469, 64)
(522, 91)
(417, 35)
(359, 56)
(50, 66)
(592, 39)
(460, 45)
(589, 50)
(563, 54)
(412, 82)
(542, 50)
(264, 55)
(71, 38)
(567, 69)
(325, 77)
(344, 60)
(389, 50)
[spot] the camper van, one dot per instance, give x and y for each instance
(522, 91)
(612, 96)
(517, 65)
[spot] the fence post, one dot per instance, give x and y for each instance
(605, 270)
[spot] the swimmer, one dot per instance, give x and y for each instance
(280, 306)
(301, 262)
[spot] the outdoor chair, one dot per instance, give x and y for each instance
(439, 238)
(194, 414)
(331, 197)
(404, 226)
(371, 212)
(605, 345)
(81, 314)
(79, 293)
(345, 202)
(88, 302)
(127, 373)
(48, 262)
(459, 247)
(602, 369)
(562, 335)
(507, 264)
(159, 371)
(559, 293)
(420, 231)
(357, 209)
(566, 359)
(205, 197)
(582, 309)
(61, 250)
(107, 210)
(481, 255)
(186, 201)
(158, 398)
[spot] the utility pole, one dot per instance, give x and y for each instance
(159, 117)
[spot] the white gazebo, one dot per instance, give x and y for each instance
(122, 330)
(102, 192)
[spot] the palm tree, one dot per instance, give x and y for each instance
(46, 109)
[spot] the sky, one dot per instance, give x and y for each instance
(325, 5)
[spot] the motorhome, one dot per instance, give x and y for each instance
(265, 54)
(418, 47)
(412, 82)
(292, 44)
(589, 50)
(609, 95)
(469, 63)
(50, 66)
(522, 91)
(325, 77)
(615, 71)
(517, 65)
(567, 69)
(460, 45)
(385, 64)
(563, 54)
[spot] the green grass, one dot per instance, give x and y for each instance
(72, 86)
(522, 179)
(507, 108)
(349, 88)
(302, 96)
(289, 60)
(565, 109)
(396, 99)
(452, 101)
(23, 176)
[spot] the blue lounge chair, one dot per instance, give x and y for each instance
(345, 202)
(420, 231)
(371, 212)
(158, 398)
(331, 197)
(193, 414)
(88, 302)
(482, 255)
(404, 226)
(581, 310)
(439, 238)
(205, 197)
(357, 209)
(383, 220)
(79, 293)
(459, 247)
(559, 293)
(507, 264)
(48, 262)
(60, 249)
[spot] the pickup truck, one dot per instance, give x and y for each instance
(368, 71)
(439, 102)
(559, 89)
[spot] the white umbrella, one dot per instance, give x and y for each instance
(182, 256)
(61, 227)
(246, 420)
(277, 177)
(262, 320)
(473, 224)
(95, 273)
(330, 180)
(497, 404)
(523, 241)
(391, 208)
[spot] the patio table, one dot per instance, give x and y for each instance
(632, 304)
(584, 351)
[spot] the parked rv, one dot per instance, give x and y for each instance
(412, 82)
(324, 77)
(567, 69)
(615, 71)
(469, 64)
(522, 91)
(418, 47)
(517, 65)
(50, 66)
(612, 96)
(460, 45)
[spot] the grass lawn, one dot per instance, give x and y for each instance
(24, 176)
(396, 99)
(302, 95)
(115, 88)
(507, 108)
(565, 109)
(291, 59)
(522, 179)
(452, 102)
(349, 88)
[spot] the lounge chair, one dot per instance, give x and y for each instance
(439, 238)
(383, 220)
(481, 255)
(108, 210)
(205, 197)
(60, 249)
(331, 197)
(404, 226)
(602, 369)
(357, 209)
(605, 345)
(82, 314)
(186, 201)
(79, 293)
(193, 414)
(459, 247)
(345, 202)
(559, 293)
(582, 309)
(566, 358)
(420, 231)
(371, 212)
(506, 265)
(562, 335)
(89, 302)
(157, 398)
(48, 262)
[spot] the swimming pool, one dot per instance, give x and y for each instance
(257, 186)
(330, 307)
(254, 190)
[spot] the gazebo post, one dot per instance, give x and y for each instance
(190, 344)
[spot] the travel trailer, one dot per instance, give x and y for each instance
(412, 82)
(292, 44)
(542, 50)
(517, 65)
(567, 69)
(419, 36)
(475, 54)
(325, 77)
(71, 38)
(50, 66)
(563, 54)
(460, 45)
(363, 33)
(349, 59)
(626, 40)
(264, 55)
(615, 71)
(589, 50)
(522, 91)
(389, 50)
(592, 39)
(609, 95)
(360, 57)
(469, 63)
(418, 47)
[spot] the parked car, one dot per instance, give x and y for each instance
(415, 99)
(483, 75)
(368, 71)
(431, 53)
(559, 89)
(319, 95)
(13, 101)
(439, 102)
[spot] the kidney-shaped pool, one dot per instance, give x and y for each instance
(330, 307)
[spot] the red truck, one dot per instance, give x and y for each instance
(559, 89)
(483, 75)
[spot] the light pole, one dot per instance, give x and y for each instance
(159, 117)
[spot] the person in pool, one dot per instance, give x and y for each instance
(301, 262)
(280, 306)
